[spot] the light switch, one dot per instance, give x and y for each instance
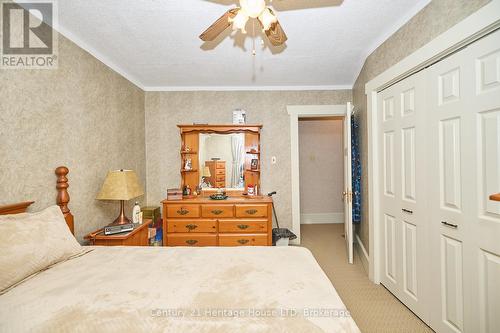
(273, 160)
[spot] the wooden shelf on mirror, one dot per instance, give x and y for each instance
(192, 170)
(253, 153)
(495, 197)
(188, 152)
(250, 170)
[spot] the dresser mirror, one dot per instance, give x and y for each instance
(220, 157)
(222, 160)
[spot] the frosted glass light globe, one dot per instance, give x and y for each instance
(267, 19)
(240, 21)
(253, 8)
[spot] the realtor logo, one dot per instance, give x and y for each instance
(28, 37)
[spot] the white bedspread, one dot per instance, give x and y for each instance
(162, 289)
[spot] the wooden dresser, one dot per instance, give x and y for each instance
(217, 173)
(201, 221)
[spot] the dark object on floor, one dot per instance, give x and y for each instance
(280, 233)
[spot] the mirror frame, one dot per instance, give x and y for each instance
(190, 146)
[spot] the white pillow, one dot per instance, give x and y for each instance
(31, 242)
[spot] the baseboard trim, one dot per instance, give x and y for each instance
(322, 218)
(362, 254)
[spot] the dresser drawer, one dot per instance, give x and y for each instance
(220, 165)
(242, 240)
(217, 211)
(191, 240)
(243, 226)
(220, 178)
(251, 210)
(220, 172)
(191, 226)
(183, 211)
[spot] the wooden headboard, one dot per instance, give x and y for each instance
(62, 200)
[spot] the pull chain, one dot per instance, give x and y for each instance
(254, 51)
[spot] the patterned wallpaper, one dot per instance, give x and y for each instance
(165, 110)
(434, 19)
(82, 115)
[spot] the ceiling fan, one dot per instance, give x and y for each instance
(239, 16)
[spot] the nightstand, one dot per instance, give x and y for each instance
(136, 237)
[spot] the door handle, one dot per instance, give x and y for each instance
(451, 225)
(407, 211)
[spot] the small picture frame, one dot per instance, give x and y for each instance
(188, 165)
(239, 117)
(254, 165)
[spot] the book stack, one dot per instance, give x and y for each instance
(174, 194)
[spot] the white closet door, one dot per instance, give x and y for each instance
(464, 131)
(483, 230)
(402, 175)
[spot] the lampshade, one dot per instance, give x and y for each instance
(206, 172)
(120, 185)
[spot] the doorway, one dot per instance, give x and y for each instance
(315, 115)
(321, 170)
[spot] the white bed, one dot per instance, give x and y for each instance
(126, 289)
(50, 283)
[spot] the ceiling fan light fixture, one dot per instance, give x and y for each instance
(267, 18)
(240, 21)
(253, 8)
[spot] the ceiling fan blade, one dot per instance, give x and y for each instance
(219, 26)
(276, 35)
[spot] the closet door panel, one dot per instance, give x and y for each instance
(452, 283)
(410, 278)
(449, 164)
(448, 197)
(489, 292)
(489, 174)
(402, 175)
(484, 227)
(409, 164)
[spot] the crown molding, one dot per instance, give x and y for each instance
(249, 88)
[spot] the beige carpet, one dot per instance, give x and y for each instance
(372, 307)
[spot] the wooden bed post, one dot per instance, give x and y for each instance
(63, 196)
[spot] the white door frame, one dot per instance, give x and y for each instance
(475, 26)
(296, 112)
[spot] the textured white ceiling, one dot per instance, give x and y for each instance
(154, 43)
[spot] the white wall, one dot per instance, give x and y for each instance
(321, 166)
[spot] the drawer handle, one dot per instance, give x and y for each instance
(407, 211)
(191, 226)
(251, 211)
(217, 211)
(191, 241)
(243, 241)
(242, 226)
(454, 226)
(182, 211)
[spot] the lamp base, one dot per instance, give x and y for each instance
(121, 219)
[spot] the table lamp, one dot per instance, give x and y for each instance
(120, 185)
(205, 174)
